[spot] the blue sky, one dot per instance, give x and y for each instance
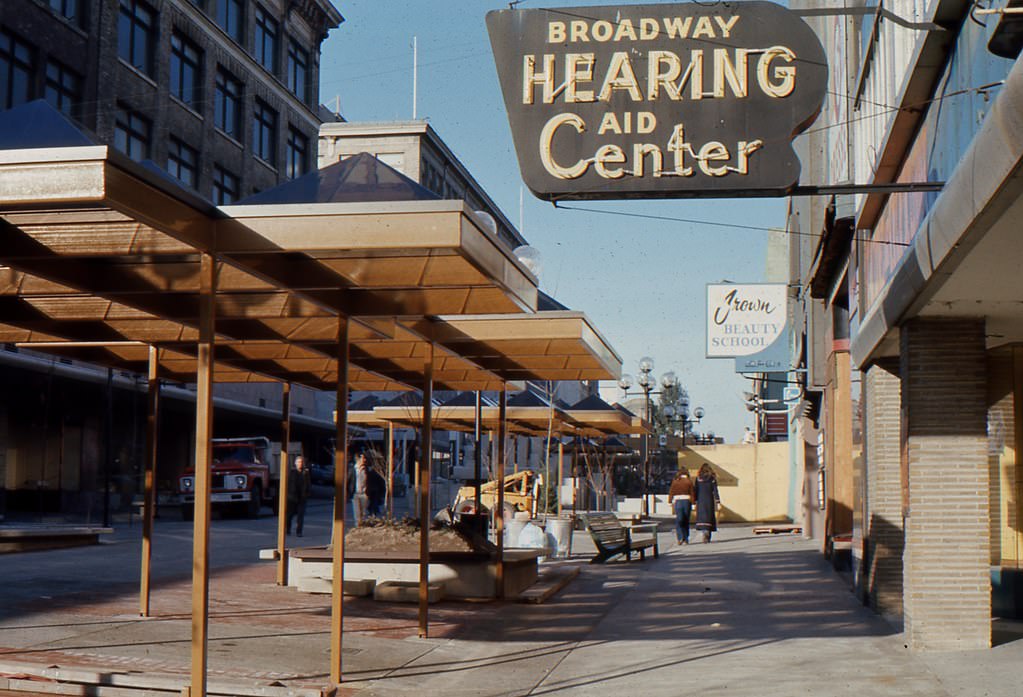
(641, 281)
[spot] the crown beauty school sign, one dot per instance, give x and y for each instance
(658, 101)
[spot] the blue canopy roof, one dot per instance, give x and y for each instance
(38, 125)
(357, 179)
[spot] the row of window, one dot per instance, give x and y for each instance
(133, 134)
(62, 86)
(137, 38)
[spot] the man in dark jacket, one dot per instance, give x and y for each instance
(376, 491)
(299, 485)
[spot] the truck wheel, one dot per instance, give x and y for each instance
(187, 511)
(256, 502)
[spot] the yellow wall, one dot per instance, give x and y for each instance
(753, 480)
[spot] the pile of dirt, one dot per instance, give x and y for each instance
(379, 535)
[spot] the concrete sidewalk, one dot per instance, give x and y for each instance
(743, 615)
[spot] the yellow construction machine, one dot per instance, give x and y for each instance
(521, 493)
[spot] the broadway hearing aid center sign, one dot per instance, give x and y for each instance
(657, 101)
(748, 322)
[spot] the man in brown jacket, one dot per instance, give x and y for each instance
(681, 496)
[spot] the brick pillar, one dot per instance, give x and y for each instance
(885, 537)
(946, 576)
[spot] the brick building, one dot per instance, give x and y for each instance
(909, 318)
(223, 96)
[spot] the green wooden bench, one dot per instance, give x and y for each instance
(612, 538)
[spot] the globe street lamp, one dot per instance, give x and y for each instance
(647, 382)
(681, 413)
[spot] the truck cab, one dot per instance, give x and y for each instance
(245, 476)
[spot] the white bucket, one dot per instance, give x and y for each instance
(512, 529)
(561, 530)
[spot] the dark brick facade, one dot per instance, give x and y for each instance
(89, 47)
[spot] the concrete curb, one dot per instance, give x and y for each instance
(54, 679)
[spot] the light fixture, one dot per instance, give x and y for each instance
(625, 381)
(646, 364)
(530, 258)
(669, 380)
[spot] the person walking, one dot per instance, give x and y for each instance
(680, 495)
(357, 489)
(376, 491)
(299, 486)
(708, 502)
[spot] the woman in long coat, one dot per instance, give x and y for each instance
(708, 503)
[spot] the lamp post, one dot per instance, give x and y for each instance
(647, 382)
(681, 413)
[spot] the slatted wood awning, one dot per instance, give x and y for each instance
(100, 253)
(102, 258)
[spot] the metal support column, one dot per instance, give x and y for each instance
(425, 467)
(282, 486)
(502, 429)
(149, 491)
(203, 477)
(340, 495)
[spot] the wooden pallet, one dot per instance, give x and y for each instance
(777, 530)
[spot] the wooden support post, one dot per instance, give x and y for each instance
(149, 490)
(477, 434)
(203, 474)
(390, 469)
(575, 477)
(502, 429)
(425, 467)
(282, 486)
(340, 495)
(561, 471)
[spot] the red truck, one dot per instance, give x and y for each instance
(246, 476)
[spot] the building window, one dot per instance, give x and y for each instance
(225, 186)
(183, 162)
(70, 10)
(265, 46)
(298, 71)
(230, 17)
(185, 70)
(15, 71)
(227, 108)
(63, 89)
(264, 133)
(136, 34)
(297, 154)
(132, 133)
